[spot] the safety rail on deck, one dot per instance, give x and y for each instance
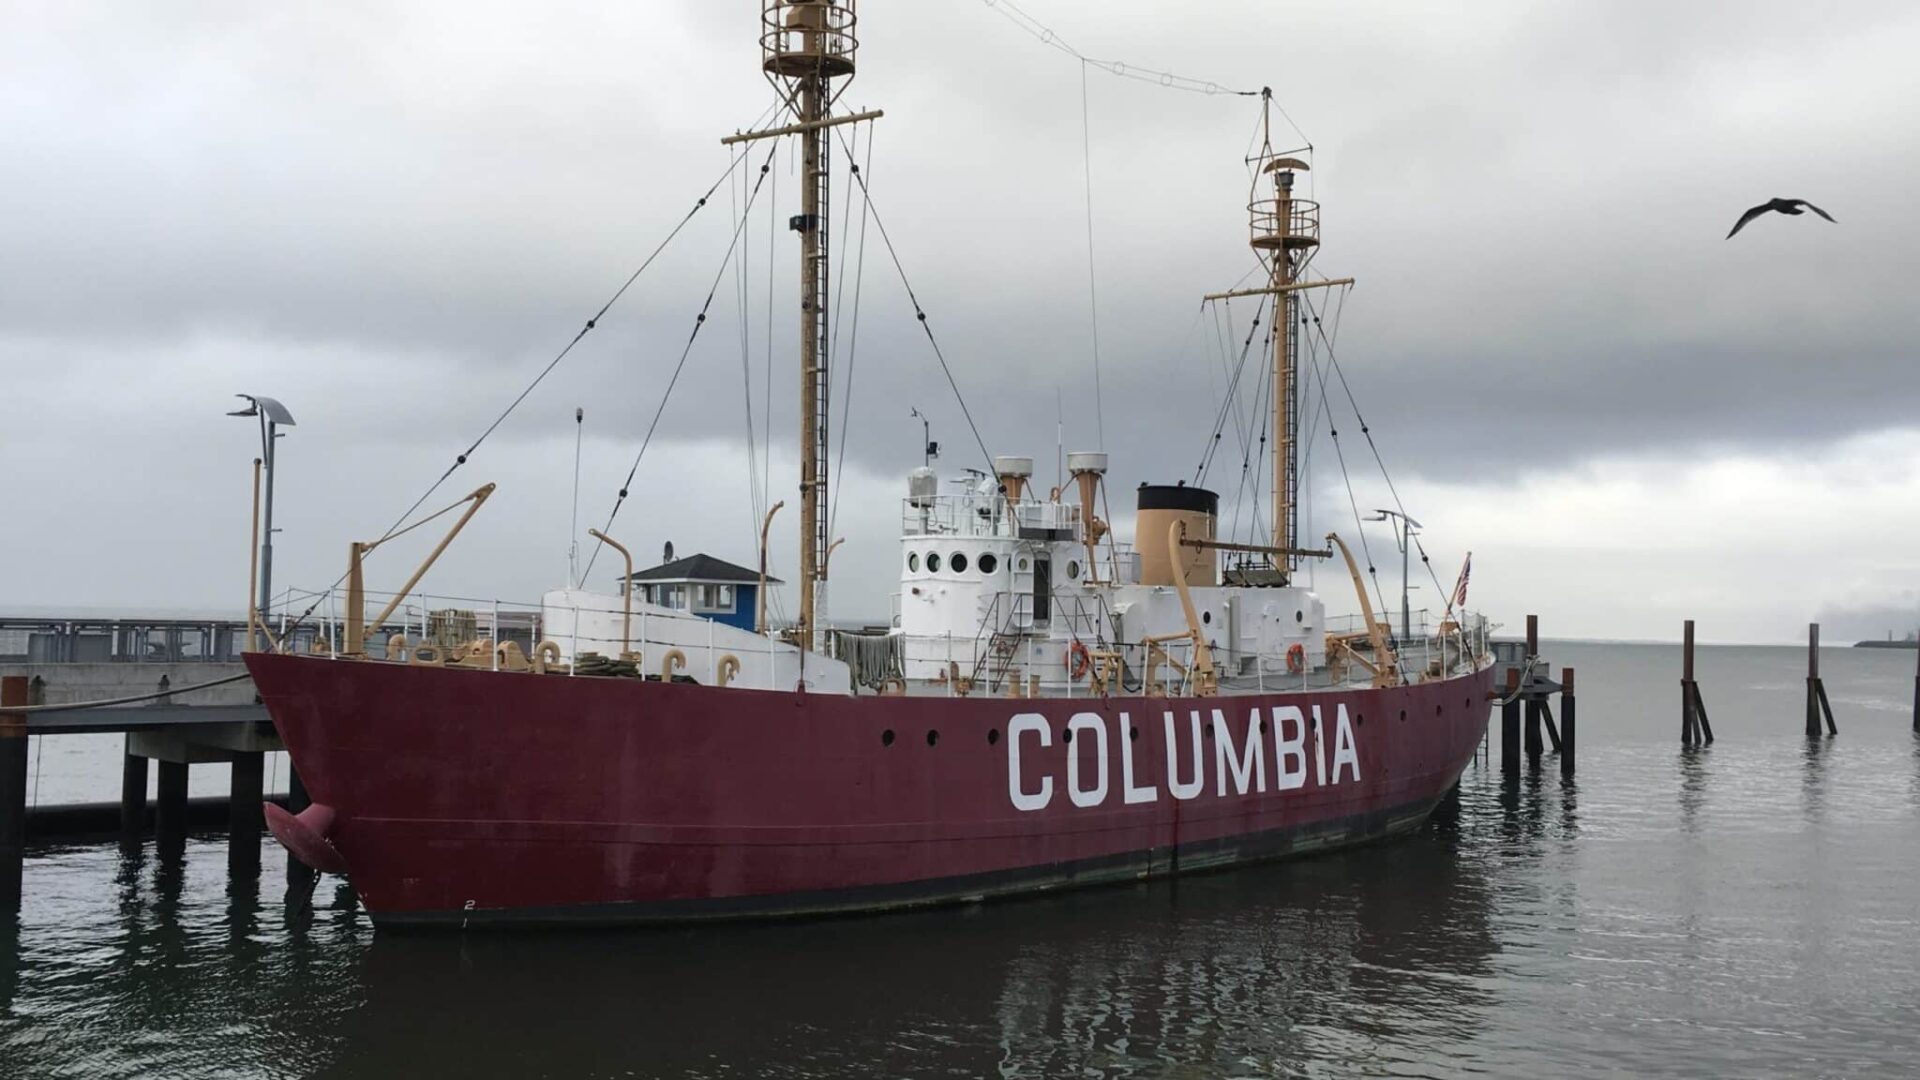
(1466, 635)
(445, 621)
(979, 515)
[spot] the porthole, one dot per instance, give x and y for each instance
(993, 736)
(1299, 616)
(933, 562)
(913, 562)
(1022, 567)
(988, 564)
(886, 737)
(933, 737)
(1069, 736)
(1133, 734)
(1403, 716)
(958, 563)
(1206, 617)
(1439, 710)
(1073, 570)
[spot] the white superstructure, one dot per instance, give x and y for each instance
(999, 584)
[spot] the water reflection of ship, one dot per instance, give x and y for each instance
(1263, 964)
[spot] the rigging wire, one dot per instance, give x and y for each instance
(1366, 549)
(698, 322)
(1093, 292)
(756, 496)
(920, 315)
(1220, 418)
(1166, 79)
(1263, 460)
(1367, 431)
(853, 332)
(1262, 401)
(461, 459)
(562, 354)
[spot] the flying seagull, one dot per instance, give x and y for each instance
(1782, 206)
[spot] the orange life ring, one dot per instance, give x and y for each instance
(1296, 658)
(1078, 661)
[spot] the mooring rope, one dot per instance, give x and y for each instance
(1526, 676)
(71, 706)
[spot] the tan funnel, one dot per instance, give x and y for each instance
(1159, 506)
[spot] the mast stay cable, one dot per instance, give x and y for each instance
(1164, 79)
(1226, 404)
(1367, 431)
(591, 323)
(920, 314)
(853, 332)
(1093, 291)
(699, 322)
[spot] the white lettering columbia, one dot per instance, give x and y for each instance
(1239, 765)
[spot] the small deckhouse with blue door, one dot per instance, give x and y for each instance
(702, 585)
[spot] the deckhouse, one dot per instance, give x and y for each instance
(702, 585)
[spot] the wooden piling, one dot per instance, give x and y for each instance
(1688, 733)
(1534, 746)
(133, 798)
(246, 811)
(170, 815)
(1916, 691)
(1567, 729)
(1817, 704)
(13, 790)
(301, 878)
(1546, 720)
(1510, 725)
(1702, 725)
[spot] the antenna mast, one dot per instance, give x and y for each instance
(1286, 233)
(806, 45)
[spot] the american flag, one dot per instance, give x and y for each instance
(1460, 590)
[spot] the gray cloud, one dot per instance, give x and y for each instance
(393, 220)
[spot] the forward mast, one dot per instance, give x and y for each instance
(807, 51)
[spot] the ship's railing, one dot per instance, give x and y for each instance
(980, 515)
(1435, 643)
(314, 621)
(1302, 218)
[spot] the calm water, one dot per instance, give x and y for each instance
(1748, 910)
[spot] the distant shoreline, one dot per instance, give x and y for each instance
(1886, 644)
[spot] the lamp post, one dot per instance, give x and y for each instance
(1407, 527)
(272, 416)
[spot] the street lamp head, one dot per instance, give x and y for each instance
(276, 413)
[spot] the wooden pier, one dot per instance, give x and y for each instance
(1524, 691)
(167, 735)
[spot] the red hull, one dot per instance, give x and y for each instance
(469, 796)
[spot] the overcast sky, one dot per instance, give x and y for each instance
(391, 216)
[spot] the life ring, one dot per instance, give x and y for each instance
(1078, 661)
(1296, 658)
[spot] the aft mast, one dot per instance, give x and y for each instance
(806, 46)
(1286, 233)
